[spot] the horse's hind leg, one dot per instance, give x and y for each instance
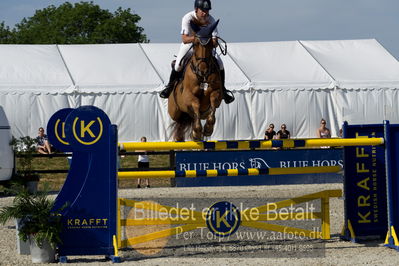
(179, 124)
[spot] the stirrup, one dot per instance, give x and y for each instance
(166, 92)
(228, 97)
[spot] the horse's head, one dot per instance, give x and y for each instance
(203, 43)
(202, 63)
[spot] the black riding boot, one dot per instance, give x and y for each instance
(174, 75)
(227, 95)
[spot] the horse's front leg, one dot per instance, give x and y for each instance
(197, 127)
(211, 118)
(210, 122)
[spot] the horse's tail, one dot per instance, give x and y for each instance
(181, 127)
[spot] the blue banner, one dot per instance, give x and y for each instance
(258, 159)
(90, 190)
(392, 156)
(365, 185)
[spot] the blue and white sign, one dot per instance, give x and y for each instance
(258, 159)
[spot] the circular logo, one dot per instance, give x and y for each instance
(87, 128)
(86, 131)
(223, 219)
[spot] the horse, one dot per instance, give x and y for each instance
(197, 96)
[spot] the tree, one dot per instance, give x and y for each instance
(5, 33)
(83, 22)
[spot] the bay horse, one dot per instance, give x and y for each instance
(199, 94)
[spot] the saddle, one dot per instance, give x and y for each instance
(184, 63)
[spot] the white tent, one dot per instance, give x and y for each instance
(296, 83)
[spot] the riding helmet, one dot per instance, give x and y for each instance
(203, 4)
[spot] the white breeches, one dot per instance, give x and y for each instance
(185, 48)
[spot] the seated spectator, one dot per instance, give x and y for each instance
(283, 133)
(43, 145)
(270, 133)
(323, 132)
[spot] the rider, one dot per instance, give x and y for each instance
(201, 14)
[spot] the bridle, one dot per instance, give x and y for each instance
(210, 62)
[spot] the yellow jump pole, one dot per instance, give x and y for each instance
(325, 220)
(229, 172)
(250, 144)
(118, 223)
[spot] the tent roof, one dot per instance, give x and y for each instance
(105, 66)
(279, 64)
(356, 63)
(32, 67)
(146, 67)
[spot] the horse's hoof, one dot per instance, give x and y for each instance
(208, 131)
(208, 134)
(197, 138)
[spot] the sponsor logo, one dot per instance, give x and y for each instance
(87, 223)
(258, 163)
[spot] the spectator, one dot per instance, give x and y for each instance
(43, 145)
(323, 132)
(270, 133)
(283, 133)
(143, 162)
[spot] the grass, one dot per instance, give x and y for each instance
(55, 181)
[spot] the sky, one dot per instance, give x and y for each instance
(252, 20)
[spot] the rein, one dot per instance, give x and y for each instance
(223, 50)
